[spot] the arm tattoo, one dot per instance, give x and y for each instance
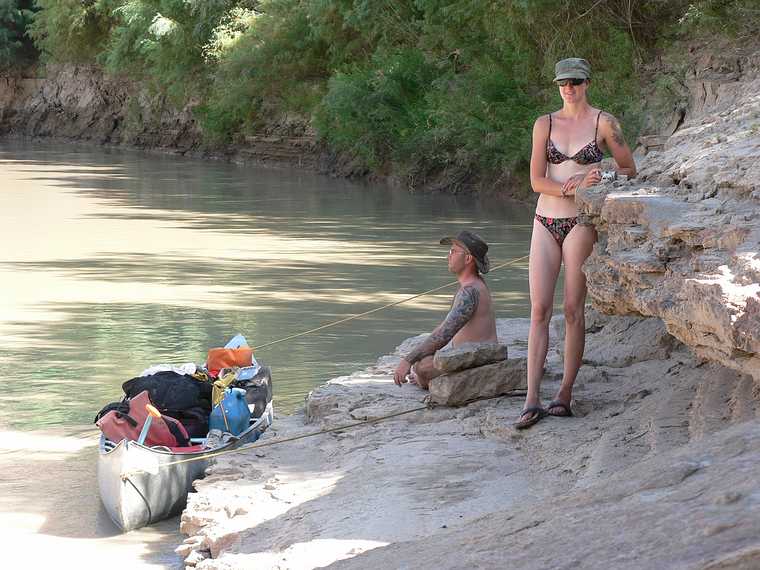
(462, 309)
(617, 132)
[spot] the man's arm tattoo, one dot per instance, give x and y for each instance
(464, 307)
(617, 132)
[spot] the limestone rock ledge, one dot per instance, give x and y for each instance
(682, 241)
(663, 451)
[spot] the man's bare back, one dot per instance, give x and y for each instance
(481, 327)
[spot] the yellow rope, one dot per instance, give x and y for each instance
(375, 310)
(219, 386)
(126, 475)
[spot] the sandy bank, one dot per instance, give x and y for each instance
(657, 469)
(50, 513)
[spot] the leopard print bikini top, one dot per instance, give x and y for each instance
(589, 154)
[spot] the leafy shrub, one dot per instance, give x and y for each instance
(379, 111)
(163, 41)
(468, 97)
(725, 17)
(71, 30)
(16, 48)
(483, 117)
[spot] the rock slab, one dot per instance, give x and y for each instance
(469, 355)
(489, 381)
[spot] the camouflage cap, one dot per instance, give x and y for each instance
(572, 68)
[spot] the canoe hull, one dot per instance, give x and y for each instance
(138, 486)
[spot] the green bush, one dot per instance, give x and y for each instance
(16, 48)
(72, 31)
(469, 90)
(163, 41)
(266, 60)
(379, 112)
(483, 117)
(724, 17)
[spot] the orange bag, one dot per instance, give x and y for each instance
(163, 431)
(219, 358)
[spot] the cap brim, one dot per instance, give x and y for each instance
(562, 76)
(451, 240)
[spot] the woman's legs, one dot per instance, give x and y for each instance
(543, 269)
(575, 249)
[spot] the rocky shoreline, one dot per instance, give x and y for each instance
(680, 242)
(656, 469)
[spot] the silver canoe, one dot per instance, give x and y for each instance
(140, 485)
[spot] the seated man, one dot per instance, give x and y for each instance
(471, 318)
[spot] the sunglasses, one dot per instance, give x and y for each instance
(573, 82)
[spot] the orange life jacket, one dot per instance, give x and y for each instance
(163, 431)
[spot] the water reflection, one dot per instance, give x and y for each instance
(119, 260)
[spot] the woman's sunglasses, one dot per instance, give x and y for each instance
(573, 82)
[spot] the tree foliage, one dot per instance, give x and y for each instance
(74, 31)
(15, 47)
(411, 85)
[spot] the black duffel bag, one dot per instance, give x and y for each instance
(194, 419)
(179, 396)
(170, 390)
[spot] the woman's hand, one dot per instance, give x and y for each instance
(570, 185)
(593, 176)
(581, 180)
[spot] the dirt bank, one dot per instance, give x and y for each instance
(81, 103)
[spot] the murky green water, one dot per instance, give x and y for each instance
(113, 261)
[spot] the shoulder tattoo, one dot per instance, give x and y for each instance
(463, 308)
(617, 132)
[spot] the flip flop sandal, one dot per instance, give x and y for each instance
(538, 413)
(566, 411)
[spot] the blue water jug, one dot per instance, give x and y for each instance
(232, 414)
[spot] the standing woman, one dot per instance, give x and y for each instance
(568, 146)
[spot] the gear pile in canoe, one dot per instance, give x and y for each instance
(156, 440)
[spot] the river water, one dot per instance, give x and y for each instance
(115, 260)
